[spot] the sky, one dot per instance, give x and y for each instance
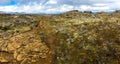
(58, 6)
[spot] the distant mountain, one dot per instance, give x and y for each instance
(3, 12)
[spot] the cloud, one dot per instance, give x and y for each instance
(37, 8)
(5, 2)
(26, 2)
(58, 6)
(51, 2)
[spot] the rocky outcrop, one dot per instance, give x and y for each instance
(27, 47)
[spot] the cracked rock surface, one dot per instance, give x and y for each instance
(23, 48)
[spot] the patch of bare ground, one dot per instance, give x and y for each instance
(27, 47)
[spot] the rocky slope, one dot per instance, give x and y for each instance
(70, 38)
(21, 43)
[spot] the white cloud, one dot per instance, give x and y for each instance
(58, 6)
(100, 5)
(97, 8)
(84, 7)
(52, 2)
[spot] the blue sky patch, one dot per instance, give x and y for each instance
(9, 3)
